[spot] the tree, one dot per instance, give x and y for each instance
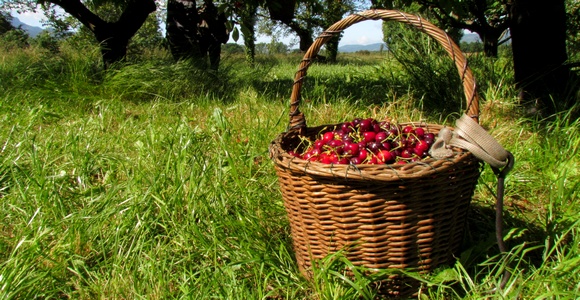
(213, 31)
(196, 32)
(113, 37)
(298, 17)
(538, 34)
(233, 48)
(247, 20)
(274, 47)
(11, 37)
(181, 28)
(487, 18)
(472, 47)
(538, 30)
(149, 36)
(332, 12)
(308, 17)
(5, 24)
(573, 29)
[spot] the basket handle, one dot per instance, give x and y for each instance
(297, 119)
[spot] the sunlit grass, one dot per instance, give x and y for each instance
(153, 181)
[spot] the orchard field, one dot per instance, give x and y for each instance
(152, 180)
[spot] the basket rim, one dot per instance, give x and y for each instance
(366, 172)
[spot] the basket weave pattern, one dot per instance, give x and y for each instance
(384, 216)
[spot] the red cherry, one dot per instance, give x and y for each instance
(429, 138)
(318, 144)
(406, 153)
(365, 125)
(351, 149)
(369, 136)
(420, 132)
(363, 154)
(421, 147)
(316, 151)
(333, 158)
(381, 136)
(309, 157)
(386, 145)
(293, 153)
(374, 146)
(336, 144)
(346, 127)
(327, 137)
(385, 156)
(408, 129)
(324, 158)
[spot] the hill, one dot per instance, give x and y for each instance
(471, 38)
(31, 30)
(468, 38)
(355, 48)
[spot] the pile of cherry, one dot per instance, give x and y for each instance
(367, 141)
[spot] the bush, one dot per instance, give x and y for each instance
(14, 39)
(231, 48)
(47, 40)
(430, 74)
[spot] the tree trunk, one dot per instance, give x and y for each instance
(248, 23)
(332, 48)
(249, 36)
(538, 30)
(490, 43)
(181, 30)
(284, 11)
(213, 33)
(304, 34)
(113, 37)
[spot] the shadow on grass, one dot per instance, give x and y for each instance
(480, 241)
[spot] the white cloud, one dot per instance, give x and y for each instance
(30, 18)
(363, 33)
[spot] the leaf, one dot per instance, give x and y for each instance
(235, 34)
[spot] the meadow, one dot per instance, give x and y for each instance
(152, 180)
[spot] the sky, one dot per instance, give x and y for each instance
(363, 33)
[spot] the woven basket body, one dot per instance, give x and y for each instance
(408, 216)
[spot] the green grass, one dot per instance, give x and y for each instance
(153, 181)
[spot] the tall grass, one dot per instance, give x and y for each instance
(153, 181)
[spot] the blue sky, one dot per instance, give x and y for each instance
(363, 33)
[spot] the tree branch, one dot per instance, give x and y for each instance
(80, 12)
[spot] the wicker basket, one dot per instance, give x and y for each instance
(408, 216)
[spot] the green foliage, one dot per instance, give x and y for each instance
(273, 47)
(47, 40)
(5, 24)
(471, 47)
(431, 74)
(573, 29)
(488, 18)
(231, 48)
(14, 39)
(147, 38)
